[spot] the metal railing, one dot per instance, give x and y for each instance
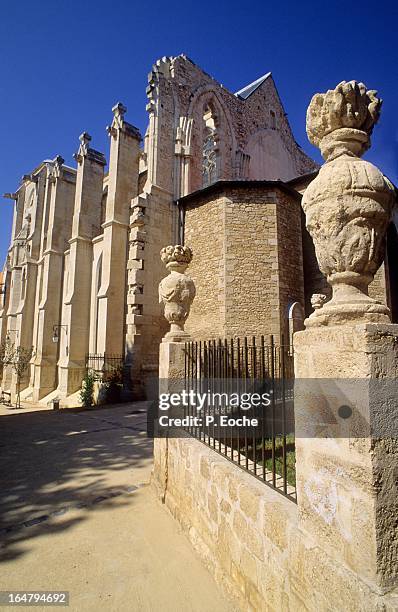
(105, 366)
(249, 369)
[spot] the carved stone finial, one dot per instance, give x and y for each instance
(349, 204)
(176, 291)
(176, 256)
(119, 110)
(119, 123)
(341, 120)
(84, 138)
(88, 152)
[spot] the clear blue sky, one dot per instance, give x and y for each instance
(64, 64)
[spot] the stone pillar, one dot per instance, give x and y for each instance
(346, 363)
(135, 297)
(153, 223)
(85, 226)
(122, 187)
(26, 255)
(56, 232)
(171, 377)
(176, 292)
(347, 448)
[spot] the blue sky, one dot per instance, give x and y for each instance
(64, 64)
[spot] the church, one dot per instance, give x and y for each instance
(218, 171)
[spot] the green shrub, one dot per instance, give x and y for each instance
(87, 390)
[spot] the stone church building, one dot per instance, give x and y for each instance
(217, 170)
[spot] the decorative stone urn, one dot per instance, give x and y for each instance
(348, 206)
(176, 291)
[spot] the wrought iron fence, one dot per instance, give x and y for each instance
(220, 370)
(104, 366)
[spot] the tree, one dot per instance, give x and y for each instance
(18, 358)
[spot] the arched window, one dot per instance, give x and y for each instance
(209, 151)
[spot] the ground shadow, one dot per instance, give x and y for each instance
(53, 463)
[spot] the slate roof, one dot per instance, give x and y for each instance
(246, 91)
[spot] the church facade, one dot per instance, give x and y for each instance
(216, 170)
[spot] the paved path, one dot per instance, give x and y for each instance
(77, 514)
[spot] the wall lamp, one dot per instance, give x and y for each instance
(56, 332)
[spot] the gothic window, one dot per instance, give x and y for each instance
(209, 151)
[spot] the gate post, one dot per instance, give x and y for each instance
(176, 292)
(346, 365)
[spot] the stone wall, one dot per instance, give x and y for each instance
(249, 535)
(290, 257)
(250, 123)
(204, 234)
(248, 264)
(251, 263)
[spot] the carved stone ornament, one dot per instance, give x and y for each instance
(176, 291)
(318, 300)
(349, 204)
